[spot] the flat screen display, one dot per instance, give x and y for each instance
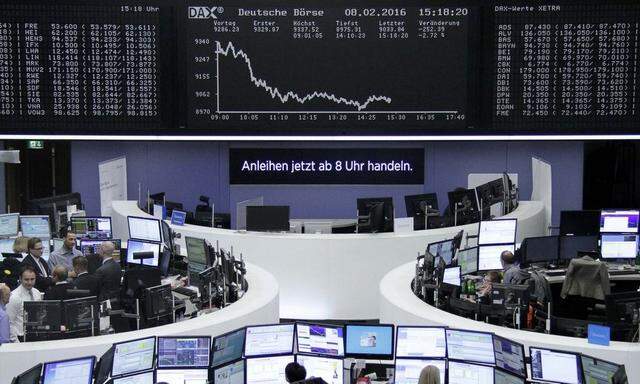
(509, 355)
(268, 340)
(133, 356)
(77, 371)
(135, 246)
(369, 340)
(232, 373)
(421, 342)
(555, 366)
(191, 352)
(145, 229)
(227, 348)
(502, 231)
(267, 370)
(466, 373)
(329, 369)
(470, 346)
(489, 256)
(407, 371)
(619, 221)
(320, 339)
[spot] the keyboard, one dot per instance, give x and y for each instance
(555, 272)
(618, 272)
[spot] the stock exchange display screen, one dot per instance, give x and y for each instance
(219, 68)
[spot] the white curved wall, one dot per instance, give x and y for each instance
(398, 305)
(258, 306)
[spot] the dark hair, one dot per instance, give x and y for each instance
(66, 232)
(494, 276)
(32, 243)
(27, 268)
(507, 257)
(80, 262)
(294, 372)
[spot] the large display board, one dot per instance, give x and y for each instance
(220, 68)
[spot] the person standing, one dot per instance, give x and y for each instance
(34, 260)
(109, 274)
(64, 256)
(25, 292)
(5, 334)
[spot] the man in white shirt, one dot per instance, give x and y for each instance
(15, 309)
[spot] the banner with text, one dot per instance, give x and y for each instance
(326, 166)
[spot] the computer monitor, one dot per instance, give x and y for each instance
(81, 315)
(407, 371)
(504, 377)
(137, 378)
(43, 320)
(421, 342)
(266, 340)
(499, 231)
(133, 356)
(597, 371)
(489, 256)
(145, 229)
(451, 276)
(183, 351)
(466, 373)
(30, 376)
(444, 249)
(491, 193)
(35, 226)
(268, 218)
(570, 245)
(139, 252)
(369, 341)
(267, 370)
(375, 214)
(318, 339)
(555, 366)
(468, 260)
(9, 224)
(470, 346)
(466, 203)
(420, 205)
(619, 221)
(580, 223)
(232, 373)
(77, 371)
(167, 235)
(544, 249)
(327, 368)
(91, 247)
(197, 250)
(227, 347)
(92, 227)
(182, 376)
(618, 247)
(623, 308)
(158, 302)
(103, 368)
(6, 245)
(509, 355)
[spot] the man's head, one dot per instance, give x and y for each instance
(28, 277)
(507, 258)
(80, 264)
(106, 250)
(60, 273)
(5, 293)
(294, 372)
(70, 240)
(35, 247)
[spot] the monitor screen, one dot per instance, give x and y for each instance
(619, 221)
(139, 378)
(267, 370)
(98, 228)
(556, 366)
(133, 356)
(489, 256)
(6, 245)
(227, 347)
(196, 250)
(421, 342)
(373, 341)
(444, 249)
(418, 205)
(268, 340)
(35, 226)
(501, 231)
(103, 370)
(465, 373)
(582, 223)
(619, 246)
(182, 376)
(470, 346)
(147, 229)
(9, 224)
(468, 260)
(407, 371)
(192, 352)
(31, 376)
(542, 249)
(328, 369)
(136, 246)
(598, 371)
(570, 245)
(451, 276)
(320, 339)
(509, 355)
(268, 218)
(76, 371)
(502, 377)
(89, 247)
(229, 374)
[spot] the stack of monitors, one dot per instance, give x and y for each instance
(268, 349)
(417, 347)
(495, 237)
(619, 235)
(321, 351)
(145, 237)
(133, 361)
(226, 358)
(183, 359)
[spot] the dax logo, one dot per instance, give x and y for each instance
(204, 12)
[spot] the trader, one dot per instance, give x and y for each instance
(109, 274)
(512, 272)
(84, 280)
(5, 294)
(59, 290)
(25, 292)
(64, 256)
(294, 372)
(34, 260)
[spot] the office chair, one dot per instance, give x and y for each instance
(584, 288)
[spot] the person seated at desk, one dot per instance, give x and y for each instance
(59, 290)
(25, 292)
(109, 274)
(34, 260)
(5, 295)
(484, 290)
(83, 279)
(294, 372)
(512, 274)
(429, 375)
(64, 256)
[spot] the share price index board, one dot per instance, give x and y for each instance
(315, 66)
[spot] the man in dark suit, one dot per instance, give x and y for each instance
(84, 280)
(109, 274)
(34, 260)
(59, 290)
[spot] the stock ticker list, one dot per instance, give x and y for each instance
(303, 66)
(566, 63)
(79, 63)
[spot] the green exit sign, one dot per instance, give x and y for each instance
(35, 144)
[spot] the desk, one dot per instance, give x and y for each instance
(258, 306)
(398, 305)
(329, 276)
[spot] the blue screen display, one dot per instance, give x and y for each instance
(369, 340)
